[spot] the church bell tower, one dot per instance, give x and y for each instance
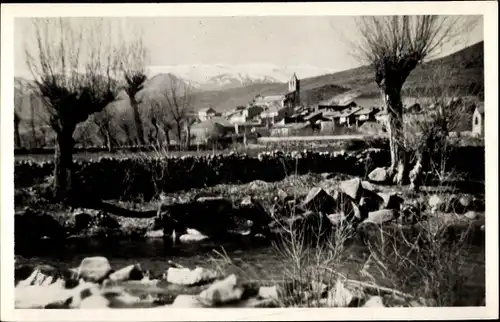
(294, 87)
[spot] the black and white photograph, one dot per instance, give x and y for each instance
(250, 159)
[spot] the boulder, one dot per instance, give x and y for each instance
(154, 233)
(187, 301)
(466, 201)
(41, 296)
(44, 275)
(435, 202)
(374, 301)
(318, 200)
(352, 188)
(336, 219)
(94, 302)
(390, 200)
(381, 216)
(190, 238)
(471, 215)
(268, 292)
(345, 205)
(253, 210)
(189, 277)
(131, 272)
(94, 269)
(370, 201)
(379, 175)
(281, 195)
(222, 292)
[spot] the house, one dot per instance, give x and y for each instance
(211, 128)
(365, 114)
(237, 117)
(206, 114)
(247, 127)
(290, 129)
(344, 117)
(339, 102)
(478, 120)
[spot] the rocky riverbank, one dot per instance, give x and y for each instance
(95, 284)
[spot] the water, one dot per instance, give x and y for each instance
(153, 254)
(251, 261)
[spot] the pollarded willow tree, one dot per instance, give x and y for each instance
(395, 46)
(133, 58)
(74, 68)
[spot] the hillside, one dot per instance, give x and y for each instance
(461, 71)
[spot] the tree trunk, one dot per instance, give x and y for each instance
(16, 131)
(399, 161)
(179, 135)
(138, 121)
(32, 121)
(188, 140)
(166, 129)
(63, 164)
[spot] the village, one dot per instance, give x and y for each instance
(284, 115)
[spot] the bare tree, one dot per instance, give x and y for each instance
(394, 46)
(160, 118)
(178, 99)
(133, 65)
(73, 68)
(103, 121)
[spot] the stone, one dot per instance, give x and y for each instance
(390, 200)
(471, 215)
(352, 188)
(41, 296)
(336, 219)
(154, 233)
(186, 276)
(192, 236)
(282, 195)
(378, 175)
(318, 200)
(339, 296)
(381, 216)
(435, 202)
(42, 275)
(483, 228)
(94, 269)
(94, 302)
(345, 205)
(222, 292)
(131, 272)
(268, 292)
(466, 202)
(374, 301)
(187, 301)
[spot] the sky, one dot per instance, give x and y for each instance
(321, 41)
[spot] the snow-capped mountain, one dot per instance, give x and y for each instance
(223, 76)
